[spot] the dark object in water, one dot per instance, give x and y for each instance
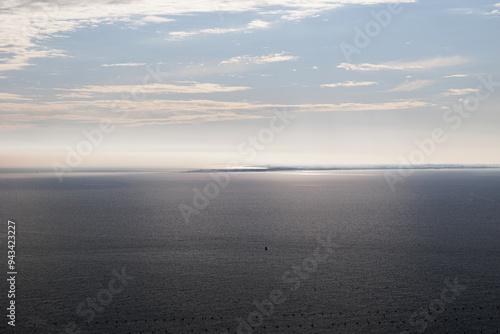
(265, 248)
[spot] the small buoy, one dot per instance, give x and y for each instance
(265, 248)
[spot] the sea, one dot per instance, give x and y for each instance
(252, 252)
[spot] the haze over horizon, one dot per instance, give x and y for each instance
(200, 85)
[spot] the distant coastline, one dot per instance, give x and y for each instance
(334, 168)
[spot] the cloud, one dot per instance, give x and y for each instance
(465, 91)
(124, 64)
(159, 111)
(14, 97)
(20, 61)
(75, 96)
(425, 64)
(153, 19)
(258, 24)
(412, 85)
(350, 84)
(476, 11)
(493, 12)
(158, 88)
(456, 76)
(178, 35)
(271, 58)
(25, 25)
(297, 15)
(255, 24)
(394, 105)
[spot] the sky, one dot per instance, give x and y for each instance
(209, 83)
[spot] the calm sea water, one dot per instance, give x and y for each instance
(422, 259)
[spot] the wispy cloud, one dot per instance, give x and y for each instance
(25, 25)
(456, 92)
(350, 84)
(159, 111)
(477, 11)
(75, 96)
(22, 60)
(153, 19)
(425, 64)
(13, 97)
(456, 76)
(412, 85)
(158, 88)
(255, 24)
(258, 24)
(271, 58)
(493, 12)
(297, 15)
(123, 64)
(178, 35)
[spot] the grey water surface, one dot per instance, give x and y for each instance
(112, 252)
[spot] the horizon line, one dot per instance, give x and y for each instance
(257, 168)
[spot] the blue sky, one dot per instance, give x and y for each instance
(184, 84)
